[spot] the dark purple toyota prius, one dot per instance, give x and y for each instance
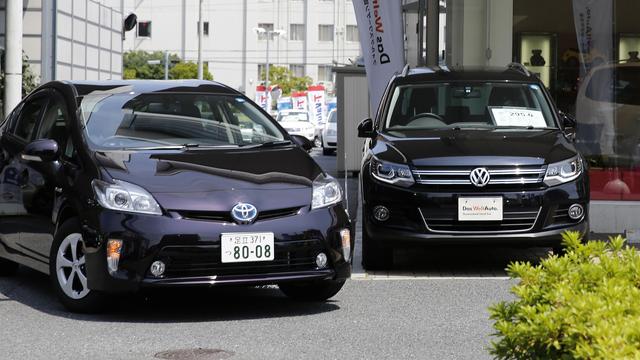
(117, 186)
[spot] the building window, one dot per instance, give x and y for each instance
(325, 32)
(205, 28)
(268, 27)
(352, 33)
(297, 70)
(296, 32)
(144, 29)
(325, 73)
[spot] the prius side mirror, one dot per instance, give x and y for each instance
(365, 129)
(303, 142)
(43, 150)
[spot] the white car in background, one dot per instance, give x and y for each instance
(297, 122)
(330, 133)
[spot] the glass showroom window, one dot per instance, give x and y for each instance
(591, 67)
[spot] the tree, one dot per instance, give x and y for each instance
(188, 70)
(29, 79)
(136, 64)
(283, 77)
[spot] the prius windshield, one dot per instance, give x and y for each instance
(482, 105)
(136, 121)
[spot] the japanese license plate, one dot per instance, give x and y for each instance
(247, 247)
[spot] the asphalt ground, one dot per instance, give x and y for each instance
(433, 305)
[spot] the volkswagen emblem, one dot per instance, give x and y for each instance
(244, 213)
(480, 177)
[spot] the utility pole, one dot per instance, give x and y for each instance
(166, 65)
(269, 35)
(13, 55)
(200, 31)
(266, 75)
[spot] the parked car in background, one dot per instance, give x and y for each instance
(297, 122)
(469, 157)
(116, 186)
(330, 133)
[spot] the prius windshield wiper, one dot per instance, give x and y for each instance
(269, 144)
(181, 147)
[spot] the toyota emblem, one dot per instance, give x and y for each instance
(480, 177)
(244, 213)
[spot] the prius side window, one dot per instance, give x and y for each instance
(53, 125)
(29, 117)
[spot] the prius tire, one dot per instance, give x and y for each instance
(67, 270)
(326, 151)
(8, 267)
(316, 291)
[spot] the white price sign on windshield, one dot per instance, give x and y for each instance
(518, 117)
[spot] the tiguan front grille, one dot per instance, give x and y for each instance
(523, 175)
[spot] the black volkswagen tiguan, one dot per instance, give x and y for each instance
(469, 156)
(117, 186)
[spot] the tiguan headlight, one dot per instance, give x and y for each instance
(391, 173)
(564, 171)
(124, 196)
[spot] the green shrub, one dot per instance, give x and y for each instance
(583, 305)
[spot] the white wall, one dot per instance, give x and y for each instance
(89, 41)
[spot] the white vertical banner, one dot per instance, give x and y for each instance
(594, 28)
(382, 39)
(316, 103)
(300, 101)
(263, 97)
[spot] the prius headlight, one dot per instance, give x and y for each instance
(391, 173)
(124, 196)
(326, 192)
(564, 171)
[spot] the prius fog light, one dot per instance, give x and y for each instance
(576, 212)
(381, 213)
(157, 268)
(345, 236)
(321, 261)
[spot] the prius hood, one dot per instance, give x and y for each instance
(216, 179)
(474, 147)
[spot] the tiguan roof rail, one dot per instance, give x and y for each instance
(519, 68)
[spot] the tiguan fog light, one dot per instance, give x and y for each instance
(157, 268)
(114, 249)
(381, 213)
(321, 261)
(576, 212)
(345, 235)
